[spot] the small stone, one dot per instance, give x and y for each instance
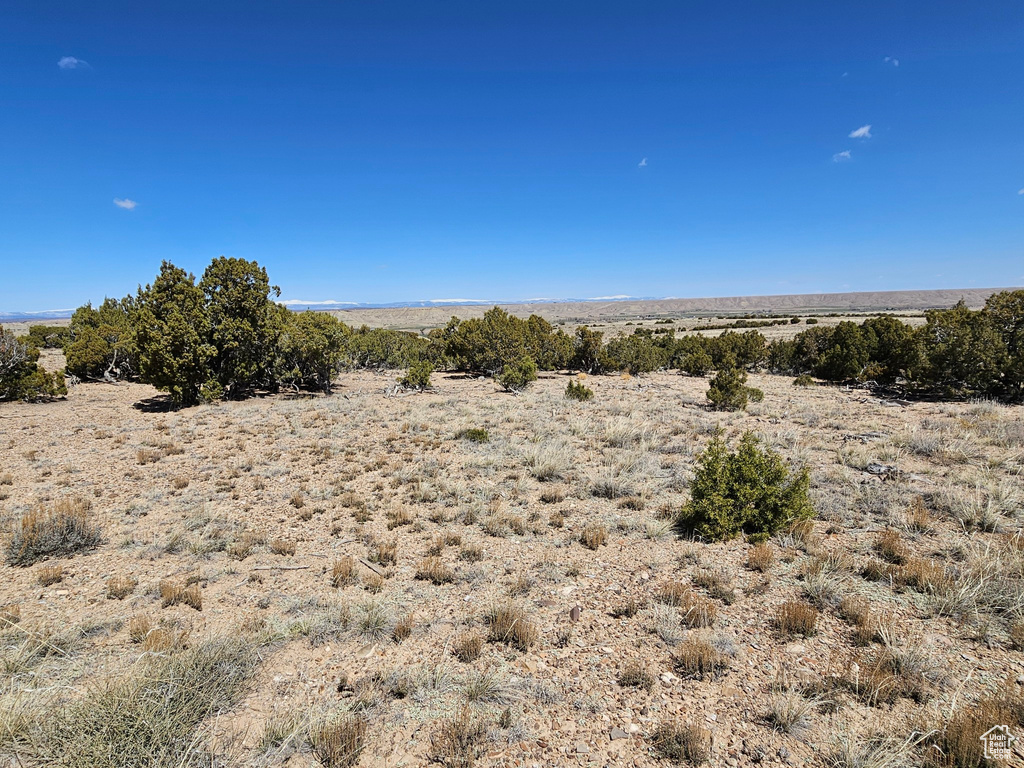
(633, 728)
(582, 749)
(618, 733)
(574, 614)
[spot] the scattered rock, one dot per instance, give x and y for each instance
(618, 733)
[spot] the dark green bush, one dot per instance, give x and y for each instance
(728, 391)
(418, 375)
(804, 380)
(518, 374)
(748, 491)
(474, 435)
(21, 378)
(577, 390)
(101, 343)
(311, 349)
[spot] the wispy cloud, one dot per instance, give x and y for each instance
(125, 203)
(1020, 191)
(864, 132)
(328, 303)
(891, 60)
(642, 163)
(70, 62)
(841, 157)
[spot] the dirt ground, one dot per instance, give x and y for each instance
(256, 502)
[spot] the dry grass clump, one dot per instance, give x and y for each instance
(152, 716)
(468, 647)
(384, 552)
(119, 587)
(924, 575)
(673, 593)
(893, 671)
(343, 572)
(684, 743)
(918, 517)
(179, 483)
(593, 535)
(956, 742)
(241, 548)
(891, 547)
(148, 455)
(697, 657)
(10, 614)
(1017, 636)
(796, 618)
(471, 553)
(552, 496)
(458, 741)
(399, 516)
(719, 582)
(59, 530)
(509, 623)
(434, 570)
(857, 611)
(172, 593)
(633, 675)
(297, 500)
(338, 741)
(50, 574)
(282, 547)
(761, 557)
(403, 628)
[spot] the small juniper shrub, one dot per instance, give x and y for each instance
(577, 390)
(418, 375)
(748, 491)
(474, 435)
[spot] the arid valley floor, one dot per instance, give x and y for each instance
(366, 545)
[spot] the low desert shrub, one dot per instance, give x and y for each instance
(457, 743)
(593, 535)
(434, 570)
(152, 716)
(468, 647)
(60, 530)
(683, 743)
(633, 675)
(474, 435)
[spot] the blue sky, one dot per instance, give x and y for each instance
(387, 151)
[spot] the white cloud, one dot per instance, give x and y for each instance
(642, 163)
(328, 303)
(70, 62)
(125, 203)
(1020, 191)
(864, 132)
(841, 157)
(890, 60)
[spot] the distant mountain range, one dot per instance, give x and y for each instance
(299, 305)
(884, 301)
